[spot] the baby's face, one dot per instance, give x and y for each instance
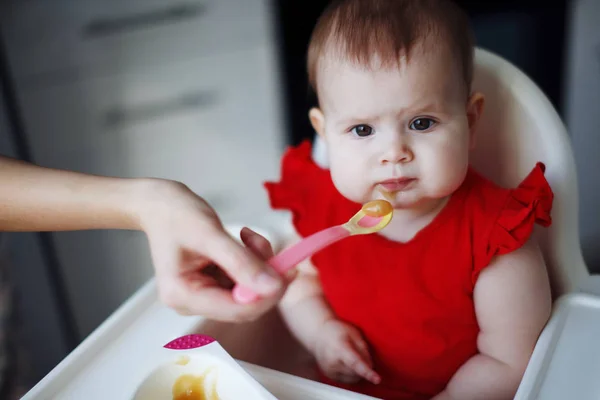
(404, 132)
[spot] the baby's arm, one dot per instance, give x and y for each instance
(338, 347)
(304, 308)
(512, 303)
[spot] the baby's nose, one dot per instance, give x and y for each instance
(397, 153)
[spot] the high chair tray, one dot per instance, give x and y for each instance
(113, 361)
(566, 361)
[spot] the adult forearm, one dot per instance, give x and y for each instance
(34, 198)
(483, 377)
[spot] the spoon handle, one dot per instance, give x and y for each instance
(293, 255)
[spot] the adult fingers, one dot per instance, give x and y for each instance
(263, 249)
(216, 303)
(240, 263)
(257, 243)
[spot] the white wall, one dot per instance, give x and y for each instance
(582, 114)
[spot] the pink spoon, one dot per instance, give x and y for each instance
(372, 217)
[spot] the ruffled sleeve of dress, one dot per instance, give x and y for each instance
(523, 207)
(305, 189)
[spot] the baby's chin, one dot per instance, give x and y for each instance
(365, 196)
(403, 200)
(398, 200)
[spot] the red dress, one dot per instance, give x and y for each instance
(412, 301)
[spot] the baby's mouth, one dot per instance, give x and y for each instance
(395, 185)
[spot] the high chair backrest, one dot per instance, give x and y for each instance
(520, 127)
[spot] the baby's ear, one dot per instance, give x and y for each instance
(317, 119)
(474, 111)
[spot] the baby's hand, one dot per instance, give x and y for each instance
(343, 354)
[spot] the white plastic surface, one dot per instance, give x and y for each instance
(119, 356)
(114, 360)
(519, 127)
(566, 361)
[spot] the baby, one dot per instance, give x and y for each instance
(448, 300)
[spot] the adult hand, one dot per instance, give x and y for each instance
(197, 262)
(186, 237)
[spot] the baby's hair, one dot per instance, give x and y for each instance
(359, 30)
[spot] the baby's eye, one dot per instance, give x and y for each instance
(363, 130)
(422, 124)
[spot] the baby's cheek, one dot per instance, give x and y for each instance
(351, 182)
(451, 157)
(450, 176)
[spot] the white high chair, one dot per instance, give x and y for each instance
(519, 127)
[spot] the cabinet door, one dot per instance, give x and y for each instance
(65, 39)
(212, 123)
(34, 296)
(582, 107)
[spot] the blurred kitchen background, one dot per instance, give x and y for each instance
(209, 92)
